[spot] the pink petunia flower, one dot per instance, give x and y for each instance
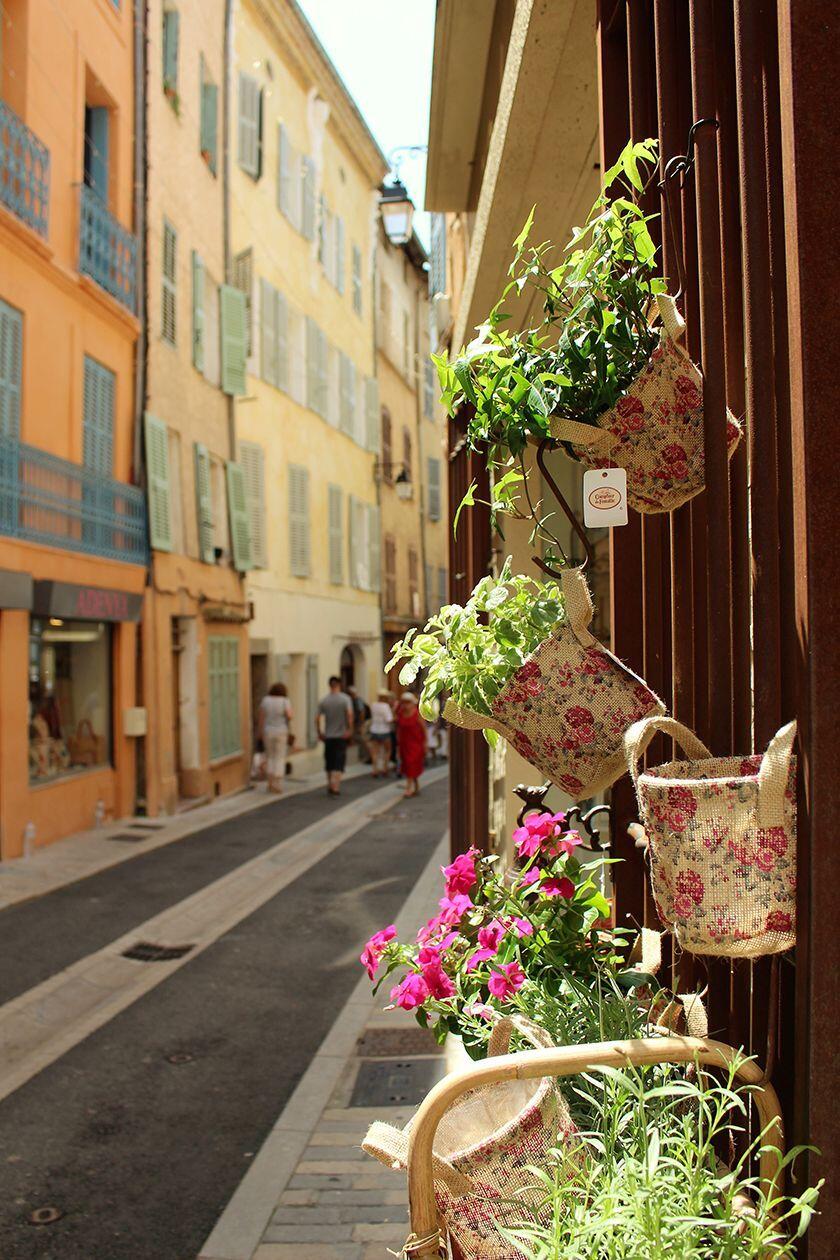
(562, 887)
(489, 940)
(454, 908)
(437, 981)
(530, 877)
(411, 992)
(523, 927)
(460, 875)
(536, 829)
(507, 979)
(371, 955)
(479, 1009)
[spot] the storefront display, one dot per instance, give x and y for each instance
(69, 697)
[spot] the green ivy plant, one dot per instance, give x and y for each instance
(593, 340)
(470, 652)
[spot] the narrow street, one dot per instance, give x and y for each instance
(138, 1133)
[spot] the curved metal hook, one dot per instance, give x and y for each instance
(548, 444)
(681, 165)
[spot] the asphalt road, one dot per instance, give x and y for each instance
(140, 1154)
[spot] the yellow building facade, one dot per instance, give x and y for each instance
(72, 526)
(412, 468)
(195, 635)
(304, 178)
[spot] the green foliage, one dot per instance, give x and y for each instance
(470, 652)
(645, 1179)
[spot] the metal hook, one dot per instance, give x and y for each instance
(680, 167)
(548, 444)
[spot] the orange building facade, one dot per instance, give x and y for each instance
(73, 539)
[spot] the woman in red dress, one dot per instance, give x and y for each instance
(411, 740)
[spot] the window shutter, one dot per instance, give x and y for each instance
(97, 136)
(284, 175)
(323, 382)
(339, 254)
(357, 280)
(311, 363)
(98, 438)
(299, 542)
(243, 279)
(11, 359)
(352, 540)
(157, 472)
(282, 324)
(204, 505)
(372, 414)
(433, 466)
(429, 390)
(198, 327)
(333, 386)
(336, 534)
(252, 461)
(374, 548)
(240, 534)
(347, 386)
(223, 685)
(362, 546)
(171, 19)
(169, 279)
(268, 332)
(209, 123)
(250, 125)
(442, 591)
(308, 198)
(232, 303)
(312, 699)
(387, 446)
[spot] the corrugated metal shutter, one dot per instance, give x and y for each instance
(268, 332)
(204, 505)
(240, 533)
(252, 460)
(299, 543)
(372, 414)
(11, 365)
(98, 437)
(335, 497)
(433, 466)
(232, 306)
(198, 328)
(169, 285)
(157, 474)
(250, 125)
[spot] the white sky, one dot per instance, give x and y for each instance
(383, 51)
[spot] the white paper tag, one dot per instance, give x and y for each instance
(604, 497)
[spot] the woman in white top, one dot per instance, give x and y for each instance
(379, 735)
(275, 716)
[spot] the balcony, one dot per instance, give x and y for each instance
(24, 172)
(45, 499)
(107, 252)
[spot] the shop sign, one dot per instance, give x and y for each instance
(86, 603)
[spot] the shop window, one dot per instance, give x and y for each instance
(69, 697)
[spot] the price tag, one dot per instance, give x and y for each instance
(604, 497)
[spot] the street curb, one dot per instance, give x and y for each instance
(239, 1230)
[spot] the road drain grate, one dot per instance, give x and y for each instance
(144, 951)
(396, 1082)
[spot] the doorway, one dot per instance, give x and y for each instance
(347, 668)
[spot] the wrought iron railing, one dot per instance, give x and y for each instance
(49, 500)
(24, 171)
(107, 251)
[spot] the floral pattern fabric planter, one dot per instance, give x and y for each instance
(656, 430)
(722, 834)
(567, 708)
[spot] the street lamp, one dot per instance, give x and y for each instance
(384, 470)
(397, 211)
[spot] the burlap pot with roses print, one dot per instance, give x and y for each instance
(484, 1147)
(567, 708)
(655, 430)
(722, 842)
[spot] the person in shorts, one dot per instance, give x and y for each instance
(335, 728)
(379, 736)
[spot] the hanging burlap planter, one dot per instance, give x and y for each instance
(722, 837)
(567, 708)
(485, 1147)
(655, 430)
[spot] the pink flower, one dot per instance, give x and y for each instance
(460, 875)
(530, 877)
(489, 940)
(506, 980)
(479, 1009)
(523, 927)
(536, 829)
(411, 992)
(372, 953)
(437, 981)
(567, 843)
(454, 908)
(562, 887)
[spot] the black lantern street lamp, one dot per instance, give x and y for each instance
(397, 211)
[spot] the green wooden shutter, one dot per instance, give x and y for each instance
(335, 497)
(352, 540)
(357, 280)
(97, 147)
(243, 279)
(252, 459)
(374, 548)
(268, 332)
(284, 176)
(223, 685)
(210, 123)
(372, 414)
(339, 254)
(308, 198)
(240, 534)
(312, 351)
(281, 320)
(198, 323)
(98, 437)
(169, 285)
(250, 126)
(204, 505)
(232, 304)
(299, 528)
(11, 360)
(171, 19)
(159, 491)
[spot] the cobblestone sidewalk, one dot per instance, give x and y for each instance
(312, 1193)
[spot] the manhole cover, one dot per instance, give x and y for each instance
(385, 1043)
(45, 1216)
(144, 951)
(129, 836)
(396, 1082)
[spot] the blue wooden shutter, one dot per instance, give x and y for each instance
(171, 20)
(98, 426)
(11, 360)
(157, 476)
(209, 122)
(96, 150)
(232, 307)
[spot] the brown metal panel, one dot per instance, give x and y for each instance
(809, 54)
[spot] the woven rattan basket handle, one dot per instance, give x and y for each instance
(639, 735)
(773, 777)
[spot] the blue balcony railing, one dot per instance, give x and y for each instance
(107, 252)
(46, 499)
(24, 171)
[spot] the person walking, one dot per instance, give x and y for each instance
(335, 728)
(274, 729)
(411, 738)
(381, 726)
